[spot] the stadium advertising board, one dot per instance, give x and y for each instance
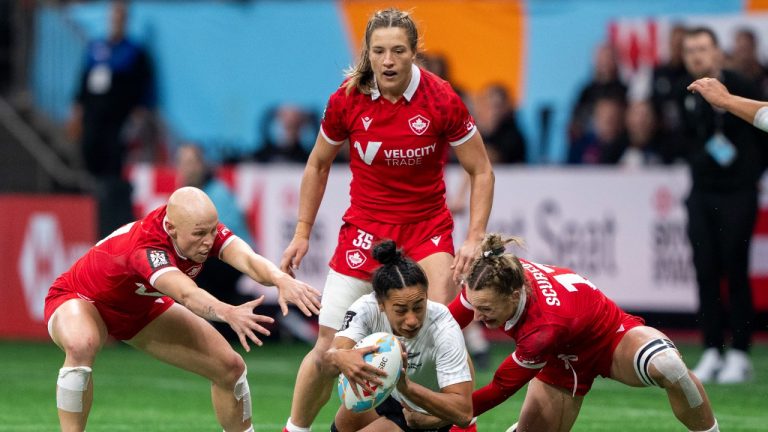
(42, 237)
(625, 230)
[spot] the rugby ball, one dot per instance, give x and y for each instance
(387, 358)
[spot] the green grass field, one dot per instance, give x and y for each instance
(134, 392)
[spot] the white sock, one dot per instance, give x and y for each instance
(293, 428)
(712, 429)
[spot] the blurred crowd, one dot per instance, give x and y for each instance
(639, 121)
(615, 120)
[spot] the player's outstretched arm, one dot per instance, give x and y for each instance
(239, 255)
(313, 184)
(241, 318)
(474, 160)
(718, 95)
(507, 380)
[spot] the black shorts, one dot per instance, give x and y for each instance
(393, 411)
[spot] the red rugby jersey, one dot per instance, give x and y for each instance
(398, 150)
(565, 313)
(121, 269)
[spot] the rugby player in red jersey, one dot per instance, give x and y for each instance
(400, 122)
(137, 286)
(566, 333)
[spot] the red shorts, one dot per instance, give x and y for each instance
(587, 362)
(417, 240)
(121, 325)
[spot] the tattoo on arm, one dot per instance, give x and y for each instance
(210, 314)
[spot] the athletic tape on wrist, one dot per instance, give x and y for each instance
(761, 119)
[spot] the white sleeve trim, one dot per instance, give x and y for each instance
(159, 273)
(465, 302)
(761, 119)
(227, 243)
(330, 141)
(465, 139)
(528, 365)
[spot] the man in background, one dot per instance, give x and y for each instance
(116, 85)
(726, 162)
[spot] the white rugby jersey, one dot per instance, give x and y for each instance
(437, 356)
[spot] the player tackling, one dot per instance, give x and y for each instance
(566, 334)
(137, 286)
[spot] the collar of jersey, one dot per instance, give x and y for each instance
(519, 312)
(409, 91)
(178, 252)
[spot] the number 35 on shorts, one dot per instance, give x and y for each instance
(363, 240)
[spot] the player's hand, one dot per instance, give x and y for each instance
(418, 420)
(246, 324)
(358, 372)
(403, 381)
(299, 293)
(712, 90)
(464, 257)
(293, 255)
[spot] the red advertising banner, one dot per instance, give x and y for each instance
(41, 237)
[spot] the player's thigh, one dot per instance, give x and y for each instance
(548, 408)
(339, 292)
(78, 329)
(347, 420)
(623, 362)
(183, 339)
(438, 269)
(382, 424)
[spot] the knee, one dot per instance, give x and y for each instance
(232, 368)
(81, 350)
(668, 371)
(316, 356)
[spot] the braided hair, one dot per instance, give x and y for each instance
(494, 269)
(396, 271)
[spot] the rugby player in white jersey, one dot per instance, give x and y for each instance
(435, 389)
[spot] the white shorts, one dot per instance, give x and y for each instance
(338, 295)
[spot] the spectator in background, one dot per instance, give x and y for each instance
(726, 163)
(743, 59)
(115, 85)
(643, 143)
(503, 139)
(666, 80)
(605, 83)
(438, 65)
(217, 277)
(600, 144)
(283, 131)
